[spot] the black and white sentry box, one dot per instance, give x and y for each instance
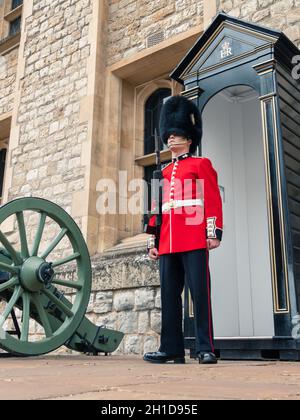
(245, 81)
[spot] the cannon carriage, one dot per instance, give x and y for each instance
(40, 308)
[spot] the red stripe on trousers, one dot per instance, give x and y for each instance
(209, 304)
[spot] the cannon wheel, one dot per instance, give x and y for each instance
(34, 281)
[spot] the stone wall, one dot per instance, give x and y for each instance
(8, 70)
(126, 297)
(282, 15)
(131, 22)
(48, 159)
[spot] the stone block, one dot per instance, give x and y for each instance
(123, 301)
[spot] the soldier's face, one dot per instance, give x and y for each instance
(176, 143)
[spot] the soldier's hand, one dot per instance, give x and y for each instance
(153, 254)
(213, 244)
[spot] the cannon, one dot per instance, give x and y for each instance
(42, 308)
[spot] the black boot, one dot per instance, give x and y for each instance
(161, 357)
(207, 358)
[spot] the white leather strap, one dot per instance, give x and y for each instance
(181, 203)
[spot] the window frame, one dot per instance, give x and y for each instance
(157, 97)
(16, 31)
(4, 144)
(3, 149)
(7, 39)
(149, 161)
(18, 5)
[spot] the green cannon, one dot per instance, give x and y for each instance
(45, 283)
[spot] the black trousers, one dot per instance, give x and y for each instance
(192, 266)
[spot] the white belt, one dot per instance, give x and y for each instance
(181, 203)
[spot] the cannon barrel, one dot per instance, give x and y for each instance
(33, 289)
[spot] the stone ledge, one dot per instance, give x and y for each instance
(124, 269)
(14, 13)
(10, 42)
(120, 269)
(135, 249)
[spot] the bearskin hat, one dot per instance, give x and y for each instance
(182, 117)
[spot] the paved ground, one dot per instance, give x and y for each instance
(129, 378)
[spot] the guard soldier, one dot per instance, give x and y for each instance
(192, 223)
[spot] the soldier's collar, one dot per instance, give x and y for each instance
(181, 157)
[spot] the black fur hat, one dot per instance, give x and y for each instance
(181, 116)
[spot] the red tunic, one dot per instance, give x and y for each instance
(187, 228)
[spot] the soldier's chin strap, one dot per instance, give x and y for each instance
(178, 143)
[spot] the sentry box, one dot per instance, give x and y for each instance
(245, 80)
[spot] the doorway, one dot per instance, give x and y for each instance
(240, 268)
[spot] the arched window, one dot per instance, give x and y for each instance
(153, 108)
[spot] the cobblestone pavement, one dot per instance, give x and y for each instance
(130, 378)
